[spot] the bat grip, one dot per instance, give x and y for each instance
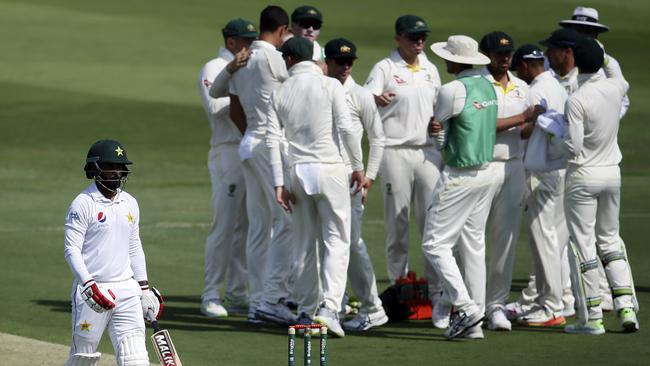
(152, 318)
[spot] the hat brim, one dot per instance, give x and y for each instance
(602, 28)
(439, 49)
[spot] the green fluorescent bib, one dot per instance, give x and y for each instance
(471, 134)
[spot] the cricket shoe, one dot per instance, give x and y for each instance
(628, 319)
(475, 332)
(239, 306)
(252, 317)
(592, 327)
(497, 320)
(278, 313)
(330, 319)
(515, 309)
(213, 309)
(365, 321)
(462, 322)
(540, 317)
(440, 314)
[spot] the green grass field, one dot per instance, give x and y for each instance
(75, 71)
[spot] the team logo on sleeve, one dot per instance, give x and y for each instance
(73, 216)
(130, 218)
(101, 217)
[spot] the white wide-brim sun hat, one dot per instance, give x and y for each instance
(460, 49)
(586, 17)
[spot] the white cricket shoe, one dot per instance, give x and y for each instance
(252, 316)
(475, 332)
(365, 321)
(629, 322)
(462, 322)
(278, 313)
(541, 317)
(516, 309)
(213, 309)
(330, 319)
(440, 314)
(592, 327)
(497, 320)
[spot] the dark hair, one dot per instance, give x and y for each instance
(272, 18)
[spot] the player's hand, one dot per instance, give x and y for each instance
(98, 298)
(152, 301)
(284, 198)
(367, 184)
(384, 99)
(434, 127)
(357, 180)
(531, 113)
(240, 60)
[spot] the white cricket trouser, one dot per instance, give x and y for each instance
(505, 218)
(126, 317)
(269, 247)
(225, 247)
(544, 213)
(460, 207)
(592, 207)
(408, 175)
(325, 215)
(361, 273)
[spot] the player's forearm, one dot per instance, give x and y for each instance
(504, 124)
(138, 264)
(219, 87)
(374, 160)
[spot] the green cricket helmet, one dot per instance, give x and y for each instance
(105, 152)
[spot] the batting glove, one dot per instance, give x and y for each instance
(97, 297)
(152, 301)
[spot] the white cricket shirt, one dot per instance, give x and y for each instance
(253, 84)
(569, 81)
(311, 108)
(512, 99)
(593, 116)
(223, 128)
(365, 115)
(102, 237)
(406, 118)
(545, 86)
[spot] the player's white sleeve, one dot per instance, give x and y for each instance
(219, 87)
(376, 82)
(574, 138)
(613, 70)
(369, 115)
(273, 141)
(343, 122)
(136, 254)
(76, 223)
(212, 104)
(449, 104)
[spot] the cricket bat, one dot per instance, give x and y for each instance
(162, 343)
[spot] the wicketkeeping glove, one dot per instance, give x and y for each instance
(152, 300)
(97, 297)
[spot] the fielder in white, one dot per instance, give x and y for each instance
(311, 108)
(544, 211)
(465, 127)
(269, 243)
(505, 213)
(340, 56)
(593, 188)
(104, 252)
(225, 247)
(405, 86)
(306, 22)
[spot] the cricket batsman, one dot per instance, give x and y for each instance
(103, 249)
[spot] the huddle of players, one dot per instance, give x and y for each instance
(289, 183)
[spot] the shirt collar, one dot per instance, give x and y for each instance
(258, 43)
(588, 78)
(542, 75)
(97, 196)
(511, 85)
(303, 67)
(225, 54)
(399, 61)
(349, 83)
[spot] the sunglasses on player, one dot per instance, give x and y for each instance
(344, 61)
(306, 23)
(416, 37)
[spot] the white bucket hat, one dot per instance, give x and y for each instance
(587, 17)
(460, 49)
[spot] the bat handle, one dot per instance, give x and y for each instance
(152, 318)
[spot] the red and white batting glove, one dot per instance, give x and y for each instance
(152, 301)
(97, 297)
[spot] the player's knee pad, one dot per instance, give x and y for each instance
(133, 350)
(83, 359)
(607, 258)
(589, 265)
